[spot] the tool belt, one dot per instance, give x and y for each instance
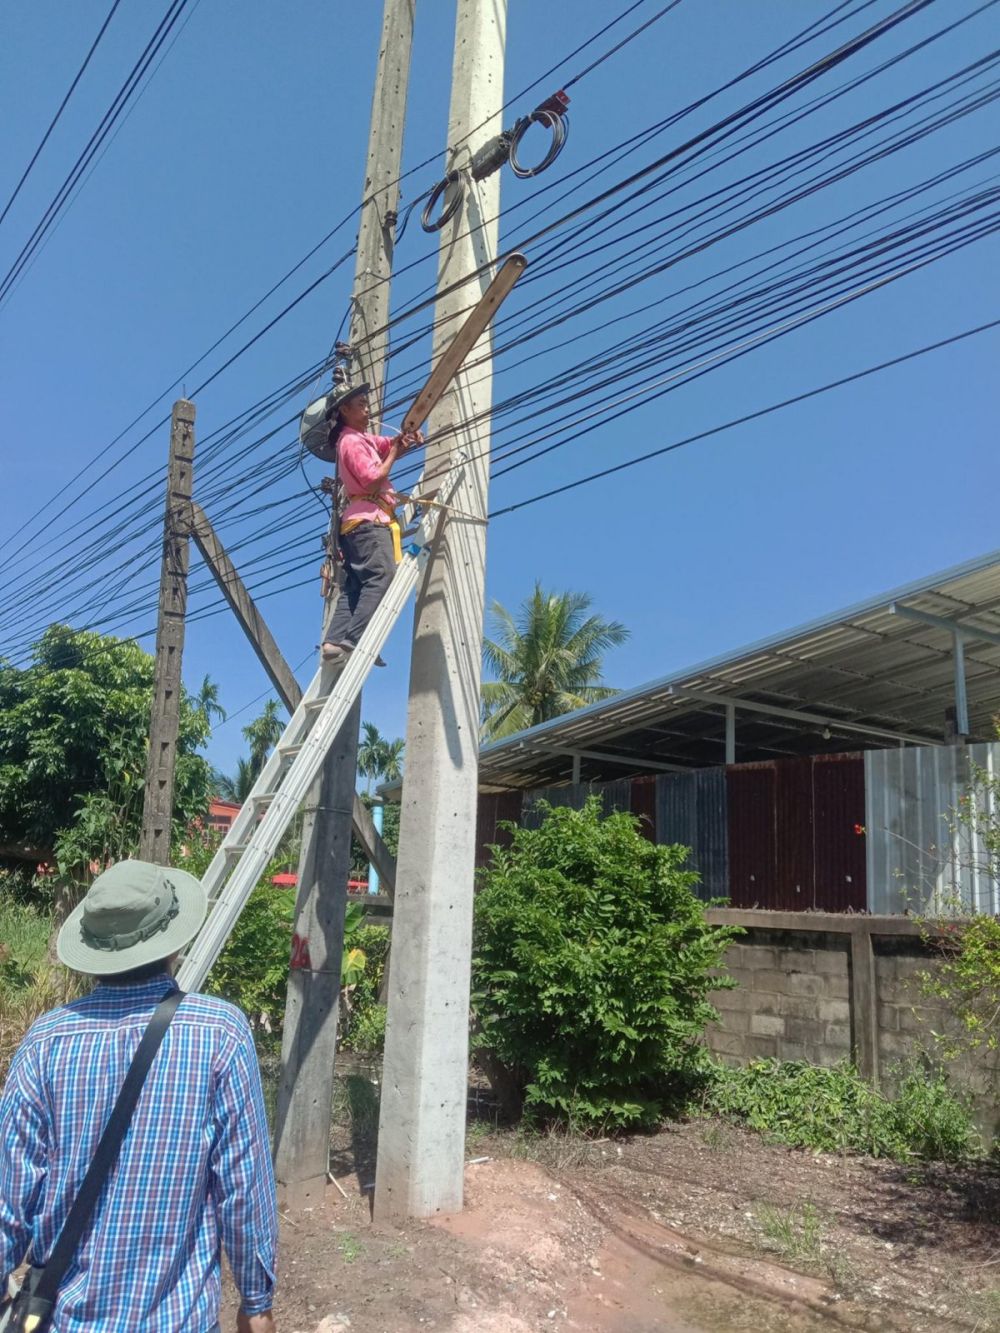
(393, 525)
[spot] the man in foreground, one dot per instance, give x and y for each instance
(194, 1168)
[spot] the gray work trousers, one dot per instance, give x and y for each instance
(370, 564)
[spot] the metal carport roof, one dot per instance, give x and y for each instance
(869, 676)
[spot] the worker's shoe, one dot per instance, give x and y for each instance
(334, 654)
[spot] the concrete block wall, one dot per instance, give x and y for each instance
(792, 1000)
(823, 988)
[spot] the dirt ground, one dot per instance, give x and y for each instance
(697, 1229)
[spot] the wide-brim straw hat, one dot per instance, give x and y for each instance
(133, 914)
(316, 420)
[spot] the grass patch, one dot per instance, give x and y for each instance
(350, 1248)
(30, 982)
(794, 1233)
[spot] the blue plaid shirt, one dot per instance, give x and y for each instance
(194, 1169)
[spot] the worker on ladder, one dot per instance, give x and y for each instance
(369, 532)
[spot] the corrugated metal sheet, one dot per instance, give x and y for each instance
(793, 844)
(643, 805)
(691, 810)
(838, 815)
(493, 809)
(918, 858)
(750, 804)
(794, 872)
(614, 796)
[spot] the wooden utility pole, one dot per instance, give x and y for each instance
(158, 798)
(425, 1073)
(305, 1094)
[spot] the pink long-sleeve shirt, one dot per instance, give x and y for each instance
(358, 458)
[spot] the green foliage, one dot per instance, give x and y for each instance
(966, 972)
(263, 734)
(546, 661)
(252, 970)
(30, 981)
(836, 1110)
(378, 758)
(592, 967)
(390, 836)
(364, 1022)
(73, 740)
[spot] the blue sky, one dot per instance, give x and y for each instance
(248, 146)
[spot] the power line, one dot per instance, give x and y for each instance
(747, 417)
(62, 107)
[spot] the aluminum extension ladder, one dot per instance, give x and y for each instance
(296, 760)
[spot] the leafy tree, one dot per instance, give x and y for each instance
(547, 660)
(263, 734)
(73, 743)
(379, 758)
(592, 967)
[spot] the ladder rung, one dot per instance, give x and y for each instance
(237, 849)
(311, 705)
(289, 751)
(264, 798)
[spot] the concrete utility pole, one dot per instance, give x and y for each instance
(305, 1094)
(425, 1074)
(158, 798)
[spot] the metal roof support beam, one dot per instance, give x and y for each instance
(630, 760)
(950, 626)
(730, 733)
(796, 715)
(961, 697)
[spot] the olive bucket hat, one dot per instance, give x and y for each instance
(316, 420)
(133, 914)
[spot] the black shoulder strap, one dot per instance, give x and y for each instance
(108, 1148)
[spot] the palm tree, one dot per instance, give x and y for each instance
(378, 757)
(236, 787)
(547, 660)
(207, 701)
(262, 734)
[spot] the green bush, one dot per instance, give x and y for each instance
(252, 970)
(364, 1022)
(591, 971)
(836, 1110)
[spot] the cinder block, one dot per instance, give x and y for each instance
(762, 1048)
(838, 986)
(800, 1006)
(760, 956)
(919, 1020)
(736, 998)
(895, 1044)
(888, 1017)
(768, 981)
(791, 1050)
(723, 1044)
(735, 1020)
(806, 1031)
(838, 1035)
(832, 962)
(767, 1025)
(798, 960)
(801, 983)
(827, 1056)
(835, 1011)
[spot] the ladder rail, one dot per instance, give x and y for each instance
(242, 825)
(266, 832)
